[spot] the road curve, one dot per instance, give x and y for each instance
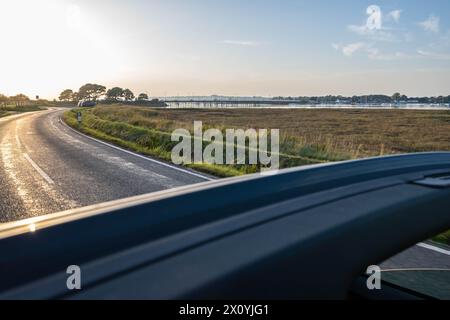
(46, 167)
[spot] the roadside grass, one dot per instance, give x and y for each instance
(148, 142)
(12, 109)
(443, 238)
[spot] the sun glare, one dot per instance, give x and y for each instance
(32, 227)
(50, 44)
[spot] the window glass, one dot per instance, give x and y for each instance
(423, 268)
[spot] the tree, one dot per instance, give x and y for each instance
(355, 99)
(396, 96)
(142, 97)
(66, 95)
(3, 99)
(128, 95)
(75, 97)
(114, 94)
(19, 99)
(91, 92)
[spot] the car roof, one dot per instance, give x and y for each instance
(281, 238)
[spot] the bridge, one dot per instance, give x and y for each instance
(230, 101)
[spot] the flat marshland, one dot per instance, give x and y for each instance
(307, 135)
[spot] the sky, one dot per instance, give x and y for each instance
(226, 47)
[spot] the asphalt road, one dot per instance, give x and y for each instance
(46, 167)
(423, 268)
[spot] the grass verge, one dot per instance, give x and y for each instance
(10, 110)
(443, 238)
(148, 142)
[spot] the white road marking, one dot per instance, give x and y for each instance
(34, 190)
(103, 154)
(138, 155)
(39, 170)
(415, 269)
(433, 248)
(19, 144)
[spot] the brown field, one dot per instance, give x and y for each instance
(354, 133)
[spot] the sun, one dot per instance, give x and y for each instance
(50, 45)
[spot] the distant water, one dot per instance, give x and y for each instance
(214, 105)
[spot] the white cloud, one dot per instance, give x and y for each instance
(376, 54)
(378, 32)
(242, 43)
(369, 45)
(372, 52)
(335, 46)
(361, 30)
(395, 15)
(351, 48)
(373, 34)
(431, 24)
(434, 55)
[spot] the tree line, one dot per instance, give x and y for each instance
(94, 92)
(372, 98)
(18, 100)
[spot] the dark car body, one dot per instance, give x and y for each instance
(87, 103)
(304, 233)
